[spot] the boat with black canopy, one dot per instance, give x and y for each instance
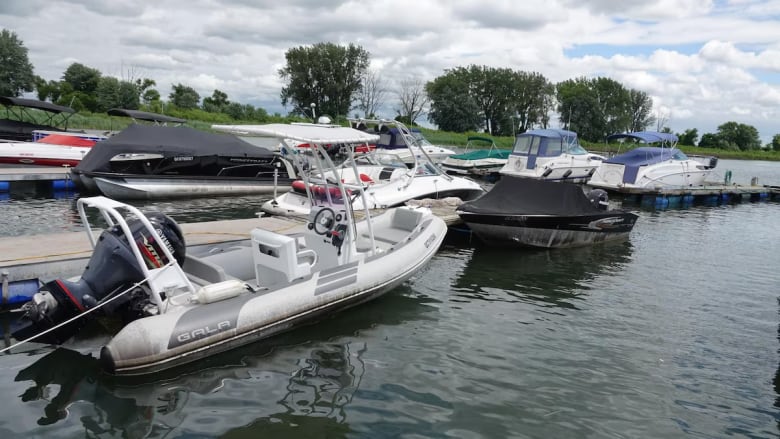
(526, 212)
(20, 120)
(151, 161)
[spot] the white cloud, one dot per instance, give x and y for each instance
(703, 62)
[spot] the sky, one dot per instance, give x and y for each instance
(703, 62)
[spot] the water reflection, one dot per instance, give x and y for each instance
(545, 277)
(306, 378)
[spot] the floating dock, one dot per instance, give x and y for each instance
(57, 177)
(710, 193)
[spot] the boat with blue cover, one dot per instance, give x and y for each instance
(659, 165)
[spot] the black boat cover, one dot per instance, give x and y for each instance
(167, 141)
(529, 196)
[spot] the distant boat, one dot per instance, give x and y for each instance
(661, 166)
(526, 212)
(551, 154)
(476, 160)
(19, 122)
(387, 181)
(150, 161)
(409, 144)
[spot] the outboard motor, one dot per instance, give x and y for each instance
(599, 199)
(112, 269)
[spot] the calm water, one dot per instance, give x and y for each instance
(672, 334)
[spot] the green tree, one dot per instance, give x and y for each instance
(325, 74)
(107, 93)
(150, 95)
(745, 137)
(689, 137)
(47, 90)
(184, 97)
(577, 108)
(640, 111)
(775, 142)
(595, 108)
(16, 71)
(216, 103)
(79, 87)
(452, 106)
(531, 98)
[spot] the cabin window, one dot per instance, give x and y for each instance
(523, 144)
(554, 147)
(679, 155)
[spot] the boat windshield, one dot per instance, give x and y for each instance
(420, 139)
(380, 159)
(679, 155)
(575, 149)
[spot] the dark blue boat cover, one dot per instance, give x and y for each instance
(642, 156)
(167, 141)
(529, 196)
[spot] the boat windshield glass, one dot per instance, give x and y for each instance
(425, 168)
(421, 140)
(679, 155)
(575, 149)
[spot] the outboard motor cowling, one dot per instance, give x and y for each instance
(112, 269)
(599, 199)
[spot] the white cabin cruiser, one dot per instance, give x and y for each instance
(387, 182)
(182, 304)
(551, 154)
(652, 167)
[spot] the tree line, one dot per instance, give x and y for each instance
(334, 80)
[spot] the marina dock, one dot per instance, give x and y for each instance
(58, 177)
(710, 193)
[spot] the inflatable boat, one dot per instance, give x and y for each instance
(177, 305)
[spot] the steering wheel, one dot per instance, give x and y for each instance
(324, 221)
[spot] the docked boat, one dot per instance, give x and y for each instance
(662, 166)
(476, 159)
(52, 150)
(526, 212)
(387, 181)
(409, 144)
(176, 305)
(551, 154)
(151, 161)
(19, 120)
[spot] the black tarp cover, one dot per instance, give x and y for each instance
(528, 196)
(168, 141)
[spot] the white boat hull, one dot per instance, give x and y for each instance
(153, 188)
(196, 331)
(666, 175)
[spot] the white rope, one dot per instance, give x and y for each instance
(77, 316)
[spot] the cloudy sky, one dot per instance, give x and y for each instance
(704, 62)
